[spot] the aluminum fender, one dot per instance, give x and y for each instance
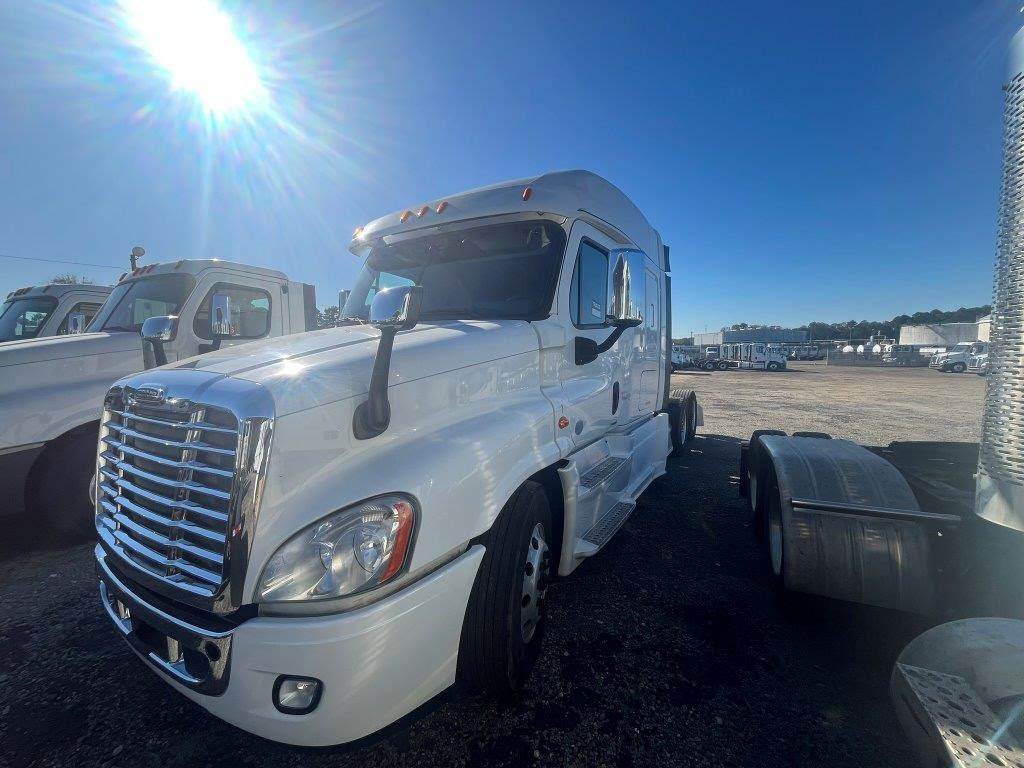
(58, 383)
(860, 558)
(460, 442)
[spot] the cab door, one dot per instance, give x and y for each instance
(591, 395)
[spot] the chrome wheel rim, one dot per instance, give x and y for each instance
(535, 583)
(775, 539)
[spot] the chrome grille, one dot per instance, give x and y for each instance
(1002, 443)
(166, 474)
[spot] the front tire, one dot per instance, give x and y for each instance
(61, 488)
(504, 624)
(958, 368)
(773, 366)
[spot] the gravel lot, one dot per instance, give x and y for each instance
(668, 648)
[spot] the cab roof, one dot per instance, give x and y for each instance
(195, 266)
(572, 194)
(58, 289)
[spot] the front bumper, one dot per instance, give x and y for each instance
(376, 663)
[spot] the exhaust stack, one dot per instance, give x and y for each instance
(1000, 491)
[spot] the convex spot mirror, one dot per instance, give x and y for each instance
(397, 308)
(626, 282)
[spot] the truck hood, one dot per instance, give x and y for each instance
(60, 347)
(319, 367)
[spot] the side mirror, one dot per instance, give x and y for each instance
(156, 331)
(623, 311)
(220, 315)
(393, 310)
(397, 308)
(76, 323)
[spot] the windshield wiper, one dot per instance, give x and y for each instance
(117, 328)
(454, 314)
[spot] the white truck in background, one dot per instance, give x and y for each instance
(754, 356)
(375, 511)
(55, 309)
(51, 389)
(956, 359)
(978, 364)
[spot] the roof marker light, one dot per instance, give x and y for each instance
(441, 206)
(405, 216)
(526, 193)
(357, 231)
(422, 211)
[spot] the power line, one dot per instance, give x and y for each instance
(59, 261)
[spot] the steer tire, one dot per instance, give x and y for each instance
(495, 653)
(60, 492)
(682, 418)
(958, 367)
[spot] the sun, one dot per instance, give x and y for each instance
(194, 44)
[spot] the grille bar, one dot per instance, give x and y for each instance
(186, 485)
(187, 529)
(164, 442)
(183, 504)
(200, 425)
(196, 466)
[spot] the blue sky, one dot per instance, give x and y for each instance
(805, 161)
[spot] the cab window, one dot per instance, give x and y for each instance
(250, 312)
(588, 296)
(87, 308)
(24, 318)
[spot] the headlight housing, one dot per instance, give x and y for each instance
(347, 552)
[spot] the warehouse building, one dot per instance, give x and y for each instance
(943, 334)
(757, 335)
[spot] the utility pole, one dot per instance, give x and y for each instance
(137, 253)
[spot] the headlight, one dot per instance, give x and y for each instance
(350, 551)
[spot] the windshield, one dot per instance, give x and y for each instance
(130, 304)
(24, 318)
(495, 272)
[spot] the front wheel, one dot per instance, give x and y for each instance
(504, 624)
(773, 366)
(61, 493)
(958, 368)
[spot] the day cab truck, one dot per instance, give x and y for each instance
(55, 309)
(905, 355)
(374, 513)
(51, 389)
(754, 356)
(956, 359)
(932, 528)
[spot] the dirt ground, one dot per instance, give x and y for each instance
(668, 648)
(873, 406)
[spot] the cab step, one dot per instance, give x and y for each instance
(606, 527)
(960, 728)
(601, 472)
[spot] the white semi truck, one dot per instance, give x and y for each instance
(55, 309)
(373, 513)
(935, 528)
(754, 356)
(51, 389)
(957, 359)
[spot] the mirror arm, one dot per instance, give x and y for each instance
(373, 415)
(587, 349)
(159, 353)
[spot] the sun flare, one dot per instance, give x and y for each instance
(194, 43)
